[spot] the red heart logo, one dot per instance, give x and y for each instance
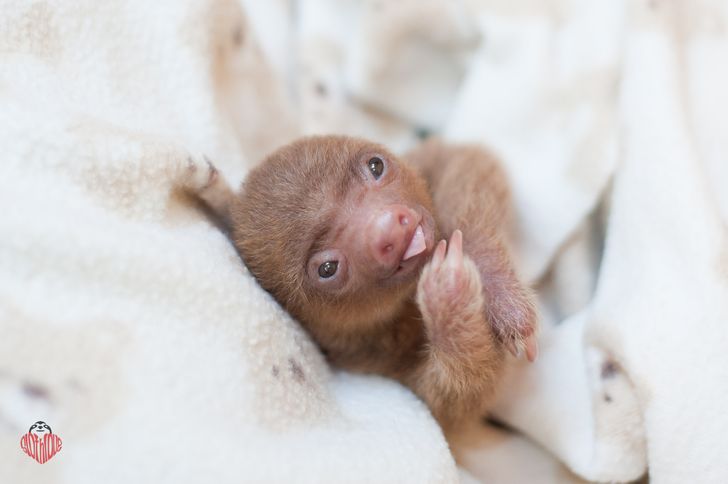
(41, 448)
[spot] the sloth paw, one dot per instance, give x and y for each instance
(203, 180)
(513, 317)
(450, 293)
(451, 298)
(200, 174)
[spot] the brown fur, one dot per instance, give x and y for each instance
(442, 330)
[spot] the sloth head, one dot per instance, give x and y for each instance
(40, 428)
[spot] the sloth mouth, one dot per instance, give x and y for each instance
(420, 243)
(417, 244)
(409, 259)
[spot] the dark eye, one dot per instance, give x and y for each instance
(376, 166)
(328, 269)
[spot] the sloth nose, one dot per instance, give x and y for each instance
(387, 234)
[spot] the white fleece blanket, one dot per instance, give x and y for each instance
(130, 326)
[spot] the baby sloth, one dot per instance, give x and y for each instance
(394, 266)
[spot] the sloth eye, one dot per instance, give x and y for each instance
(376, 166)
(328, 269)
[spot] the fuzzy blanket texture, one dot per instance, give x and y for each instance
(129, 324)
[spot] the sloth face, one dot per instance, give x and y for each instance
(40, 429)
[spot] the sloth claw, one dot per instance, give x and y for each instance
(200, 175)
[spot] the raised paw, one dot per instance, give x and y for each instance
(204, 180)
(200, 174)
(449, 292)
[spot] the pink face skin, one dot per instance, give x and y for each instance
(378, 236)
